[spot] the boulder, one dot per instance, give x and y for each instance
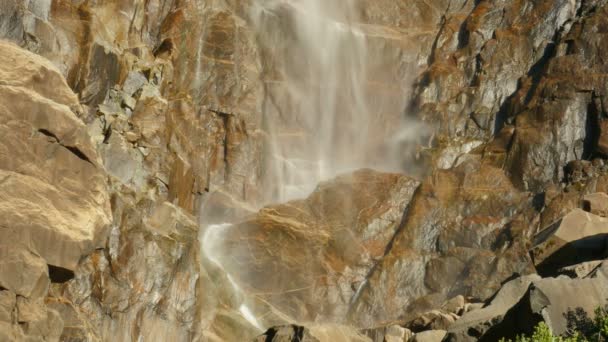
(474, 324)
(455, 305)
(391, 333)
(553, 299)
(432, 320)
(308, 257)
(581, 270)
(430, 336)
(531, 300)
(578, 237)
(596, 203)
(395, 333)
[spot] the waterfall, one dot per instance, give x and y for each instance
(316, 110)
(321, 112)
(210, 242)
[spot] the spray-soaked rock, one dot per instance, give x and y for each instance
(309, 257)
(180, 98)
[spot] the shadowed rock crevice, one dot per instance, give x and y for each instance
(77, 152)
(576, 252)
(592, 132)
(60, 274)
(518, 320)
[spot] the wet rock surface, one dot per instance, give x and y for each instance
(316, 249)
(128, 127)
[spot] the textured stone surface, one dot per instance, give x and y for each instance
(524, 302)
(23, 272)
(314, 333)
(476, 323)
(452, 241)
(168, 107)
(578, 237)
(309, 257)
(54, 198)
(430, 336)
(153, 250)
(596, 203)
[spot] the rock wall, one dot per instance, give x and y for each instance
(126, 126)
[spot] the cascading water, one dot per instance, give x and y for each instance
(321, 112)
(317, 108)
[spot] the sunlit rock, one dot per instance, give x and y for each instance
(54, 197)
(23, 272)
(579, 236)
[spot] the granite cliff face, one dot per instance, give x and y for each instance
(145, 147)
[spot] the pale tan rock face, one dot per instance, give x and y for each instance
(54, 199)
(148, 276)
(23, 272)
(54, 203)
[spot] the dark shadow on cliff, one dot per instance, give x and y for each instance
(590, 248)
(59, 274)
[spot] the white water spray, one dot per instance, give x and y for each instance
(322, 111)
(319, 108)
(210, 243)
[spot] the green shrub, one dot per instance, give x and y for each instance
(581, 329)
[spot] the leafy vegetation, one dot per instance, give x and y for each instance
(581, 328)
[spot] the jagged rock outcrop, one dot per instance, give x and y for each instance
(455, 239)
(579, 236)
(147, 276)
(524, 302)
(54, 202)
(54, 199)
(476, 323)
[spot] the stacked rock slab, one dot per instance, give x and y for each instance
(524, 302)
(578, 237)
(54, 203)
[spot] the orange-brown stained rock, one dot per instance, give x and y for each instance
(454, 233)
(308, 257)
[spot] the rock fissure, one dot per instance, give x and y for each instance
(74, 150)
